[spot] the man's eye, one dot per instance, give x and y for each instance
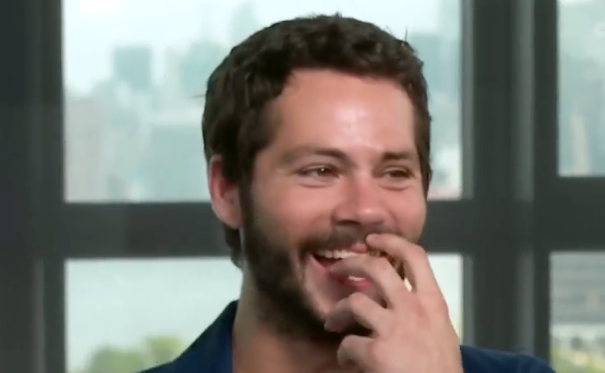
(318, 172)
(398, 173)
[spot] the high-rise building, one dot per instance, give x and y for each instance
(450, 20)
(197, 64)
(170, 90)
(133, 65)
(578, 290)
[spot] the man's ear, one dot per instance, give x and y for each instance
(224, 195)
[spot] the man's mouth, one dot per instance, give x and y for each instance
(328, 258)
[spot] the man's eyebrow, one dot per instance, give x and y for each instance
(403, 155)
(295, 154)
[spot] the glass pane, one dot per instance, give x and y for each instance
(110, 328)
(581, 87)
(578, 312)
(133, 70)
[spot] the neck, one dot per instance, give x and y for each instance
(259, 348)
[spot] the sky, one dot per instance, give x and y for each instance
(93, 27)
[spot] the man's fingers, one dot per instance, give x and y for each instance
(355, 351)
(358, 308)
(417, 266)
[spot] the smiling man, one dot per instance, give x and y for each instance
(317, 136)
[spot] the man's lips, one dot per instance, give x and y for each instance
(358, 283)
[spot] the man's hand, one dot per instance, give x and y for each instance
(413, 333)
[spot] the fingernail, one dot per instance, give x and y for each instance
(371, 236)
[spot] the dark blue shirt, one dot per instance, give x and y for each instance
(211, 353)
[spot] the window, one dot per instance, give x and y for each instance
(581, 88)
(578, 312)
(127, 315)
(132, 73)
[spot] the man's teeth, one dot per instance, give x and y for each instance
(337, 254)
(341, 254)
(354, 278)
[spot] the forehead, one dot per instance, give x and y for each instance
(333, 109)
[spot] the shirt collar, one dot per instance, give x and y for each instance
(211, 352)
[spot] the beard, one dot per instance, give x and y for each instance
(282, 302)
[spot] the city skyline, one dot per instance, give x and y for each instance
(91, 32)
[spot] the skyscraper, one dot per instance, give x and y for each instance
(133, 65)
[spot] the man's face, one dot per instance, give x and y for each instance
(342, 164)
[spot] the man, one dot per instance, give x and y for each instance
(317, 136)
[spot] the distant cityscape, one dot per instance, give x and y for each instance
(143, 142)
(128, 149)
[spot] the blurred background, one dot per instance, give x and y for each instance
(111, 260)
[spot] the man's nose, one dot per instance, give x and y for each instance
(362, 204)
